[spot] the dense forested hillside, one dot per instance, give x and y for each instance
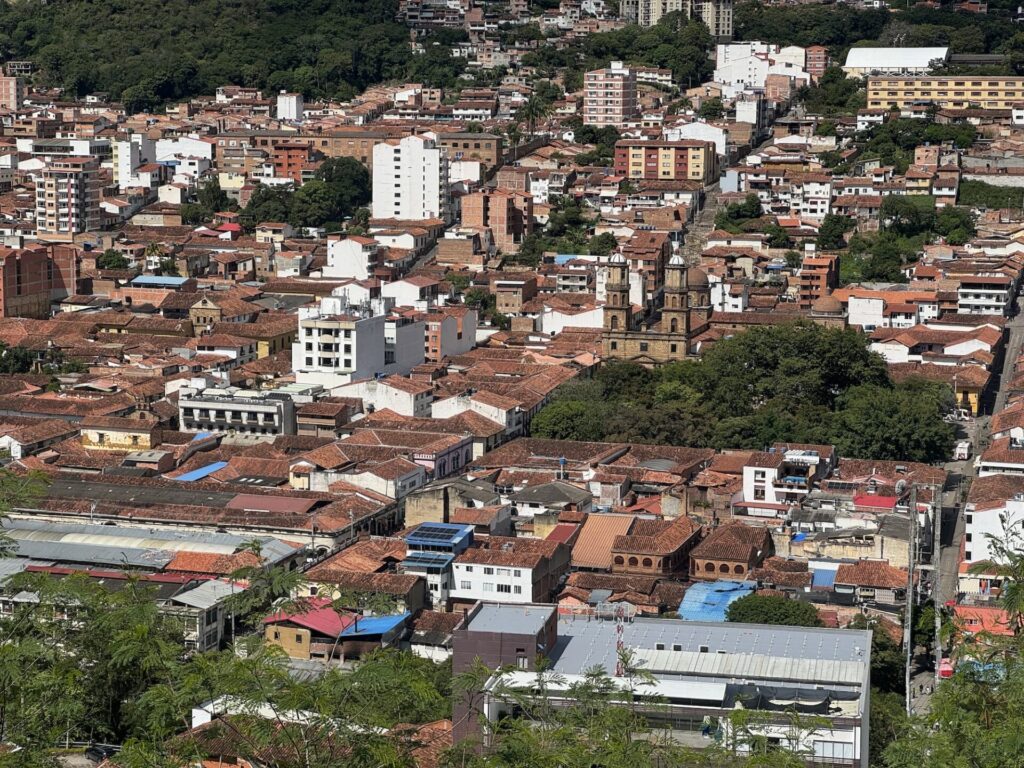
(149, 51)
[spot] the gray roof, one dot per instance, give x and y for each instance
(555, 492)
(208, 593)
(583, 644)
(11, 566)
(513, 619)
(123, 545)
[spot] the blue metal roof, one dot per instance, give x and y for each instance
(374, 625)
(823, 577)
(199, 474)
(159, 280)
(438, 559)
(707, 601)
(447, 536)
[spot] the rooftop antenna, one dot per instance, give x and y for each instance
(620, 645)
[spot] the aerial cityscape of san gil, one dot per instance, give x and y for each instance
(511, 384)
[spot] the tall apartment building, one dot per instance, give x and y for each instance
(509, 216)
(12, 93)
(717, 14)
(816, 60)
(410, 179)
(685, 160)
(609, 96)
(956, 91)
(68, 198)
(818, 277)
(127, 155)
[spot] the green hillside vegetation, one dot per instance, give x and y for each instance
(150, 51)
(797, 382)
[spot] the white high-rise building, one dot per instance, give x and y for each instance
(128, 155)
(411, 180)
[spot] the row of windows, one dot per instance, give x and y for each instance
(506, 589)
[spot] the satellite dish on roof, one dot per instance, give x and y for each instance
(901, 485)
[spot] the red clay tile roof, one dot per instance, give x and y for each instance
(738, 542)
(871, 573)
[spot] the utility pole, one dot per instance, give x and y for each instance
(909, 610)
(937, 599)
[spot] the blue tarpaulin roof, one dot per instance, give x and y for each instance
(707, 601)
(823, 577)
(374, 625)
(199, 474)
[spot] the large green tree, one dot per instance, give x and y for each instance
(773, 609)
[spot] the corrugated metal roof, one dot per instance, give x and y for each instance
(373, 625)
(751, 666)
(209, 593)
(199, 474)
(593, 548)
(11, 566)
(46, 539)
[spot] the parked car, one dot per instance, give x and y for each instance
(97, 753)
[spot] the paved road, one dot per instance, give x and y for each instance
(961, 475)
(703, 225)
(1013, 348)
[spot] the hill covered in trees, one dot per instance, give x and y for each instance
(798, 382)
(149, 51)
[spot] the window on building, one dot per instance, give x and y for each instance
(488, 586)
(465, 585)
(517, 590)
(505, 588)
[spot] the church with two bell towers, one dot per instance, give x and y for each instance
(663, 334)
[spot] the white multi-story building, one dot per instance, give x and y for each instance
(990, 294)
(339, 343)
(987, 521)
(700, 131)
(68, 198)
(184, 146)
(128, 155)
(235, 410)
(504, 577)
(353, 257)
(290, 106)
(411, 179)
(779, 479)
(406, 397)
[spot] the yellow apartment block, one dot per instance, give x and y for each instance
(956, 92)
